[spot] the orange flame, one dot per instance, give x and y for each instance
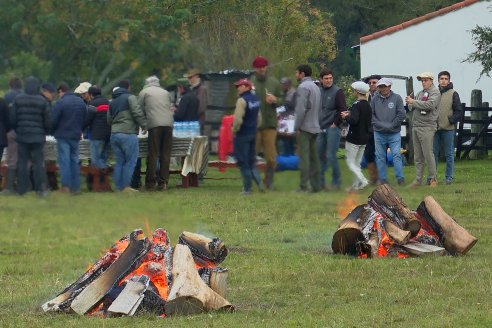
(346, 205)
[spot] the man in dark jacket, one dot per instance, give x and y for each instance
(125, 117)
(15, 88)
(69, 115)
(332, 104)
(100, 132)
(3, 131)
(188, 105)
(31, 118)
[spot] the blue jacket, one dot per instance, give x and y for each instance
(69, 116)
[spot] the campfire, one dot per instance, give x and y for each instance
(385, 226)
(147, 275)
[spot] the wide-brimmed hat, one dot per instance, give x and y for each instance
(425, 75)
(191, 72)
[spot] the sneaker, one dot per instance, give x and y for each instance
(129, 190)
(245, 193)
(415, 184)
(449, 181)
(162, 187)
(301, 190)
(433, 183)
(401, 182)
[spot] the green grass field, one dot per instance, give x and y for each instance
(282, 272)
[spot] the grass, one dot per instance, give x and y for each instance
(282, 272)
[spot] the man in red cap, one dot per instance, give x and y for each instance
(246, 119)
(268, 91)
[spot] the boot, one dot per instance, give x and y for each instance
(270, 171)
(373, 173)
(11, 188)
(257, 180)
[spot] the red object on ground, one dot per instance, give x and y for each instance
(225, 139)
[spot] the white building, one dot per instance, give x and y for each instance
(438, 41)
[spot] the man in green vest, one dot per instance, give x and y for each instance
(450, 110)
(268, 90)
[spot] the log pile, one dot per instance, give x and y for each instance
(147, 275)
(385, 226)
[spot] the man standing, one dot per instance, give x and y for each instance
(4, 127)
(48, 91)
(201, 93)
(388, 113)
(332, 104)
(308, 105)
(156, 104)
(370, 151)
(15, 88)
(69, 115)
(31, 118)
(450, 111)
(188, 107)
(83, 91)
(425, 108)
(244, 128)
(268, 91)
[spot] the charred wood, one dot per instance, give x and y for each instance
(203, 247)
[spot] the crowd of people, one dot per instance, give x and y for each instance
(31, 112)
(371, 126)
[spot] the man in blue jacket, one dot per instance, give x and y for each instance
(69, 115)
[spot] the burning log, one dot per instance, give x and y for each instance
(205, 248)
(130, 259)
(62, 301)
(399, 236)
(130, 297)
(388, 202)
(349, 235)
(215, 278)
(456, 239)
(188, 293)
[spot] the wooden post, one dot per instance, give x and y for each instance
(459, 138)
(476, 101)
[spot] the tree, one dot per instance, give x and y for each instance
(482, 39)
(277, 29)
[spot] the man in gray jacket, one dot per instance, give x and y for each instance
(425, 108)
(387, 115)
(156, 104)
(308, 106)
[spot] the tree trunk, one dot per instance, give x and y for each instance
(188, 293)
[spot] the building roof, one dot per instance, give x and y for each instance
(417, 20)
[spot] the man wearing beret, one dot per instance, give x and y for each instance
(269, 92)
(425, 108)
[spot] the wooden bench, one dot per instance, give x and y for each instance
(192, 153)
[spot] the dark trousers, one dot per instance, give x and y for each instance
(30, 152)
(245, 153)
(370, 151)
(160, 142)
(308, 160)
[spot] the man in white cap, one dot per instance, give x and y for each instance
(359, 119)
(83, 91)
(425, 114)
(387, 115)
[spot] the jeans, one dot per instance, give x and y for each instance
(447, 138)
(125, 150)
(382, 142)
(309, 166)
(328, 143)
(245, 153)
(99, 153)
(30, 152)
(353, 157)
(68, 162)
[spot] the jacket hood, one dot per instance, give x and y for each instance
(448, 87)
(32, 86)
(118, 92)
